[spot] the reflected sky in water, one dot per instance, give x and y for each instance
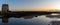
(40, 20)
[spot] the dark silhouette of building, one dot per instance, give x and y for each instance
(5, 8)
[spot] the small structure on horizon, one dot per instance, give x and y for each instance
(5, 8)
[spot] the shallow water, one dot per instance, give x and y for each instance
(40, 20)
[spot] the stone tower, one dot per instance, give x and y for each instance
(5, 8)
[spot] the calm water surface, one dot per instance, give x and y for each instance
(40, 20)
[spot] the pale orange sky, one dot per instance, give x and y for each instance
(32, 5)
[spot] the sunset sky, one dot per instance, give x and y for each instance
(32, 5)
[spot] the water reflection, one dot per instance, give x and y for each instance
(53, 15)
(6, 18)
(27, 20)
(55, 19)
